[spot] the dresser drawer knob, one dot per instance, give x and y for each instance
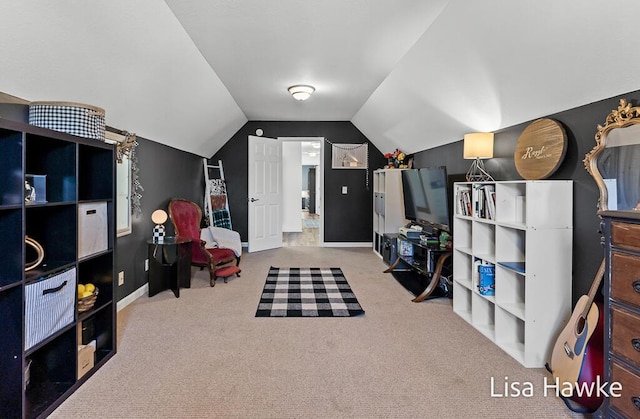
(636, 344)
(636, 402)
(636, 286)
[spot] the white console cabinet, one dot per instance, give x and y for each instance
(527, 235)
(388, 205)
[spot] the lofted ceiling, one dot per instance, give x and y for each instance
(410, 74)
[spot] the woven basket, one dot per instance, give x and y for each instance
(87, 303)
(73, 118)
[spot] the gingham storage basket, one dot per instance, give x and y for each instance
(73, 118)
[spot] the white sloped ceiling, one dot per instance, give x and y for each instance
(132, 58)
(485, 65)
(410, 74)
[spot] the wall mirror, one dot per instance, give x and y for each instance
(614, 162)
(123, 186)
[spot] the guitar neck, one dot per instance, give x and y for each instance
(595, 285)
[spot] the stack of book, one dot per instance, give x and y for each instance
(463, 202)
(485, 204)
(481, 205)
(486, 277)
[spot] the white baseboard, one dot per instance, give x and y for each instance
(347, 244)
(333, 244)
(133, 296)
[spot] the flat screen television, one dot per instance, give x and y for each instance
(435, 213)
(426, 197)
(410, 180)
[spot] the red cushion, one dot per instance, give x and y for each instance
(226, 271)
(197, 255)
(220, 254)
(186, 216)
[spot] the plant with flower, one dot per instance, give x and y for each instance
(395, 159)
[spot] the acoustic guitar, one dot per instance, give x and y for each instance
(577, 356)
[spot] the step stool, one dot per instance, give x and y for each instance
(225, 272)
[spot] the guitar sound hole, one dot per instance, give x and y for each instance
(636, 286)
(580, 325)
(636, 344)
(636, 402)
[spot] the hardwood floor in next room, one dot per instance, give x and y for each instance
(310, 235)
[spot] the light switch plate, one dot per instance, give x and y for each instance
(344, 190)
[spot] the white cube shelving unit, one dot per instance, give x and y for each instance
(528, 236)
(388, 205)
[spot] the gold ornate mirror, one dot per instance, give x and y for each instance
(614, 162)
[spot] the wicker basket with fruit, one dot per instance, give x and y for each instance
(87, 296)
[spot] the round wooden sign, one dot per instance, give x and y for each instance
(540, 150)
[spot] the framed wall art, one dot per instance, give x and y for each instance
(349, 156)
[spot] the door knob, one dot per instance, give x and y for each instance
(254, 200)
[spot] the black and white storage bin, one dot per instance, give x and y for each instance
(93, 228)
(73, 118)
(49, 306)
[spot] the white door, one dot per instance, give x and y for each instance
(265, 193)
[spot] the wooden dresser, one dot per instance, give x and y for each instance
(622, 311)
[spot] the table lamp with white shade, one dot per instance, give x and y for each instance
(477, 146)
(159, 217)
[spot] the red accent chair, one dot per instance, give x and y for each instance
(186, 217)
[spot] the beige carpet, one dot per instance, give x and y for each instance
(205, 355)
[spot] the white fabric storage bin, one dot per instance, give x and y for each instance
(73, 118)
(49, 306)
(93, 228)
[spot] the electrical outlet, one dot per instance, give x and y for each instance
(120, 278)
(146, 265)
(344, 190)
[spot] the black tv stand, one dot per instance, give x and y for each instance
(427, 264)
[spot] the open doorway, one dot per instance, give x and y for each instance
(302, 173)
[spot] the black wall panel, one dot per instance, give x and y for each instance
(581, 125)
(347, 218)
(165, 173)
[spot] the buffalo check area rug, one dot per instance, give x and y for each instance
(307, 292)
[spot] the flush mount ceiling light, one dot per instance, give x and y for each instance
(301, 91)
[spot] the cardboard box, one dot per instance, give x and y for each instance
(86, 358)
(93, 228)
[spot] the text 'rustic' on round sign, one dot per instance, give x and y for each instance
(540, 150)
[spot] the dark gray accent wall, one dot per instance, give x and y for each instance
(347, 218)
(304, 185)
(165, 173)
(581, 125)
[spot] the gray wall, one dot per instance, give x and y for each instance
(304, 185)
(347, 218)
(581, 125)
(165, 173)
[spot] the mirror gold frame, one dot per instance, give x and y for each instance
(123, 183)
(618, 150)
